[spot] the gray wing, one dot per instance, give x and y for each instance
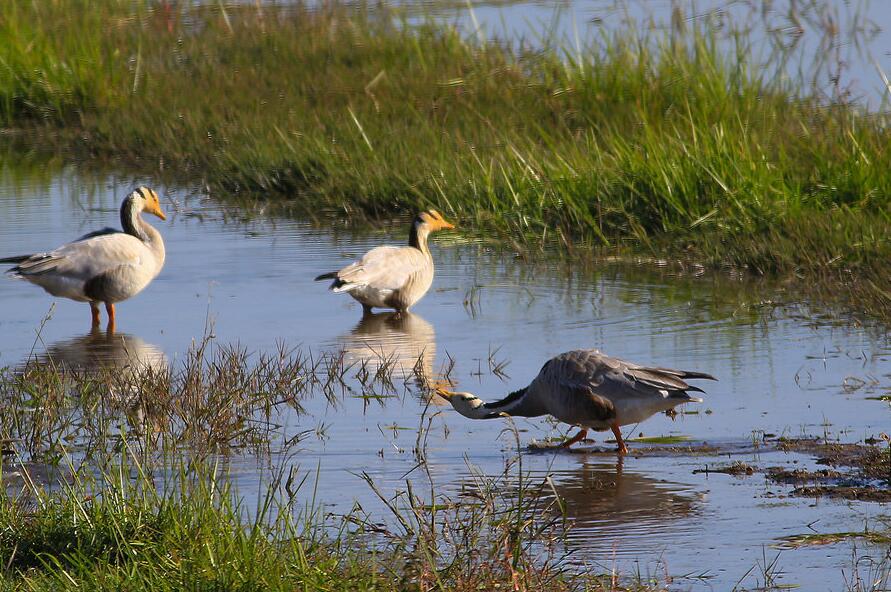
(86, 257)
(384, 268)
(39, 256)
(586, 384)
(614, 378)
(568, 387)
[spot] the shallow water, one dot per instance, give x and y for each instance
(783, 368)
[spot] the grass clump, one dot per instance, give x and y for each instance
(662, 141)
(117, 533)
(188, 531)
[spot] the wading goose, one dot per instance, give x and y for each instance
(107, 265)
(591, 390)
(392, 277)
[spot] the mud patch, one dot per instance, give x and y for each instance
(860, 472)
(873, 461)
(657, 446)
(798, 476)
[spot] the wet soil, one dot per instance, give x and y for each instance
(859, 472)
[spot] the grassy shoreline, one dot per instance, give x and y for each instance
(654, 142)
(123, 530)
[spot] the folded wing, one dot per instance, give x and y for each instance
(384, 268)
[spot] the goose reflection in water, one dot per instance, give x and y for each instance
(617, 504)
(97, 351)
(131, 371)
(611, 511)
(403, 344)
(124, 374)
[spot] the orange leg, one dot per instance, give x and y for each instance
(109, 308)
(94, 313)
(577, 438)
(618, 434)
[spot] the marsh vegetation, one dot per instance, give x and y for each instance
(661, 141)
(115, 474)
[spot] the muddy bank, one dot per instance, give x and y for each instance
(860, 472)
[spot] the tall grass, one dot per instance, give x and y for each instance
(663, 141)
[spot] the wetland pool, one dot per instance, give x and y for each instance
(784, 368)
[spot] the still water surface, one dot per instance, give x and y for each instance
(780, 370)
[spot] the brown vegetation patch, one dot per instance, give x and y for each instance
(870, 462)
(867, 476)
(863, 494)
(734, 468)
(794, 476)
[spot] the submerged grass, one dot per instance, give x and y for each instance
(662, 141)
(86, 395)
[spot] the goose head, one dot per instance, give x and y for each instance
(433, 220)
(144, 199)
(468, 405)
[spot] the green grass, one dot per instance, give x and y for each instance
(644, 140)
(126, 530)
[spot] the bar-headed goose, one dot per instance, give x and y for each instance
(107, 265)
(392, 277)
(591, 390)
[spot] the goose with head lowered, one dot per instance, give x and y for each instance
(392, 277)
(105, 266)
(591, 390)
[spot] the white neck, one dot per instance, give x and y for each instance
(418, 237)
(474, 409)
(153, 241)
(520, 403)
(134, 225)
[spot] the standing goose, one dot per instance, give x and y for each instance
(591, 390)
(103, 266)
(392, 277)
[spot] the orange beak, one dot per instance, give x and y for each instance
(156, 210)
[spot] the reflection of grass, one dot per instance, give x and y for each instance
(650, 139)
(831, 538)
(217, 399)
